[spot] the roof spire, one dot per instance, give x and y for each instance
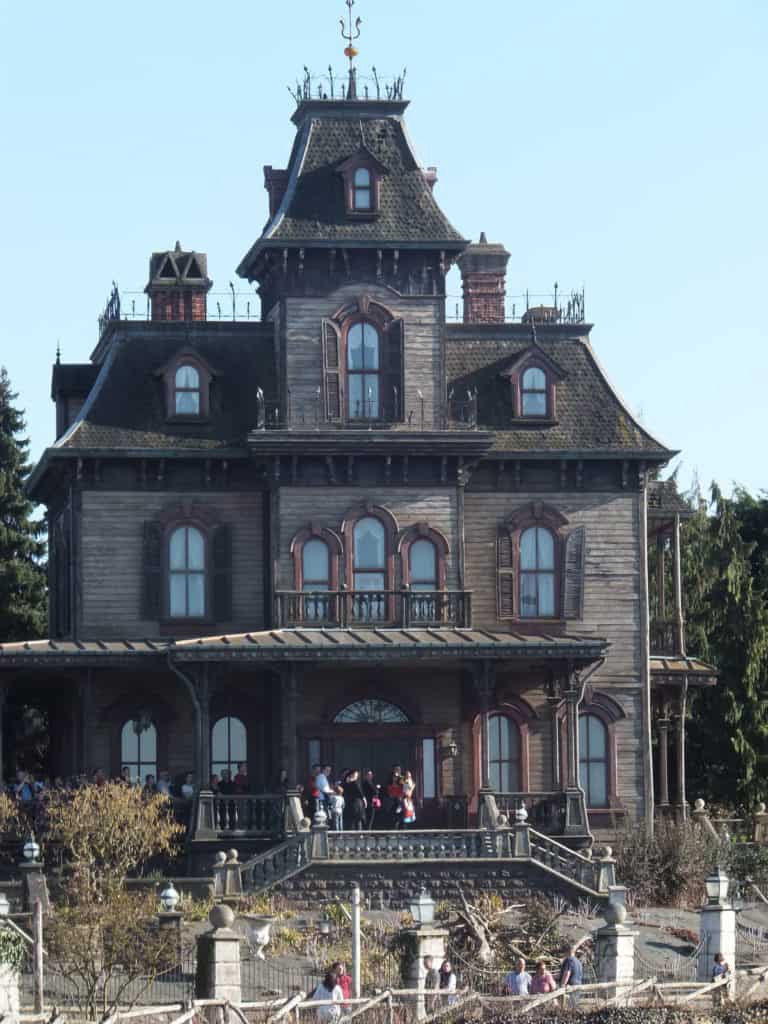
(58, 351)
(351, 31)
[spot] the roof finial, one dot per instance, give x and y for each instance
(58, 351)
(351, 31)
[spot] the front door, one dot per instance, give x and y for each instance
(376, 753)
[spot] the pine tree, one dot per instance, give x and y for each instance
(22, 574)
(725, 568)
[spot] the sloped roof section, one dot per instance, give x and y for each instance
(313, 210)
(590, 415)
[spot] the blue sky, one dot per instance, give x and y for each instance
(618, 146)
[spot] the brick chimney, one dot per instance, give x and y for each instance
(178, 284)
(483, 268)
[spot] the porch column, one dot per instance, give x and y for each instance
(575, 807)
(680, 795)
(661, 597)
(662, 726)
(203, 715)
(3, 694)
(553, 703)
(85, 703)
(289, 742)
(678, 585)
(485, 683)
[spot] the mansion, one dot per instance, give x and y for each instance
(349, 531)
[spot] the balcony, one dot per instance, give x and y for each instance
(666, 639)
(373, 608)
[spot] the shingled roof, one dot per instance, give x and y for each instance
(126, 406)
(591, 417)
(313, 211)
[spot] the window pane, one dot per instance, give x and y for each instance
(534, 379)
(546, 583)
(355, 347)
(423, 562)
(355, 385)
(369, 544)
(534, 403)
(528, 601)
(219, 751)
(187, 377)
(315, 562)
(598, 785)
(546, 549)
(313, 752)
(188, 403)
(369, 581)
(503, 737)
(494, 739)
(370, 347)
(178, 594)
(129, 743)
(195, 549)
(528, 549)
(362, 199)
(494, 777)
(597, 737)
(429, 783)
(196, 593)
(148, 745)
(178, 554)
(370, 396)
(363, 177)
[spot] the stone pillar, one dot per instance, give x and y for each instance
(169, 923)
(34, 885)
(85, 702)
(760, 834)
(203, 767)
(289, 743)
(293, 814)
(9, 995)
(575, 807)
(233, 881)
(421, 942)
(678, 589)
(615, 951)
(717, 931)
(553, 703)
(218, 958)
(663, 725)
(681, 796)
(319, 844)
(485, 684)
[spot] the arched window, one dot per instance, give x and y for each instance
(534, 392)
(138, 748)
(371, 712)
(229, 745)
(593, 760)
(363, 371)
(537, 573)
(369, 569)
(316, 576)
(422, 556)
(503, 754)
(362, 198)
(186, 573)
(186, 391)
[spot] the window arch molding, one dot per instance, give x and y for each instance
(144, 705)
(171, 386)
(422, 531)
(361, 575)
(335, 551)
(534, 358)
(522, 715)
(610, 713)
(511, 564)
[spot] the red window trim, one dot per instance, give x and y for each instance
(518, 713)
(205, 529)
(536, 514)
(422, 531)
(609, 712)
(332, 542)
(347, 170)
(391, 531)
(205, 376)
(533, 358)
(381, 330)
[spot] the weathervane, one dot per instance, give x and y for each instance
(350, 32)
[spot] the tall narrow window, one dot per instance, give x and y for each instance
(229, 745)
(422, 566)
(537, 573)
(316, 575)
(362, 198)
(369, 569)
(593, 760)
(534, 392)
(186, 391)
(503, 754)
(363, 371)
(138, 749)
(187, 573)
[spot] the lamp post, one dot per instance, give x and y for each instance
(422, 940)
(31, 850)
(716, 886)
(717, 928)
(422, 909)
(169, 918)
(5, 906)
(169, 898)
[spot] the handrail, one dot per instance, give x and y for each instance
(553, 842)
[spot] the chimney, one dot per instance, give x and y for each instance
(483, 268)
(178, 285)
(275, 182)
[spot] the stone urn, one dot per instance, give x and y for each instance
(258, 932)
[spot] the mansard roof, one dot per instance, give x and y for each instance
(72, 378)
(590, 415)
(126, 406)
(313, 212)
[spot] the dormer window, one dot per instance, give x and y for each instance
(534, 392)
(186, 391)
(362, 198)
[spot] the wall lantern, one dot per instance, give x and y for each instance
(716, 885)
(422, 909)
(31, 849)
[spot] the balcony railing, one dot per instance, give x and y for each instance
(664, 635)
(423, 608)
(546, 810)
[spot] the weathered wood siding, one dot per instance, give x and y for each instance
(423, 345)
(612, 595)
(328, 507)
(111, 558)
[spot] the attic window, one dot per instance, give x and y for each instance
(186, 391)
(534, 392)
(187, 384)
(362, 199)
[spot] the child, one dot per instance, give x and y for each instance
(719, 969)
(336, 805)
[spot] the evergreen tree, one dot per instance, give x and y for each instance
(725, 570)
(22, 575)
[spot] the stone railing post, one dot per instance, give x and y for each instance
(615, 951)
(219, 871)
(717, 932)
(218, 958)
(421, 942)
(700, 817)
(606, 871)
(293, 814)
(205, 816)
(760, 832)
(233, 879)
(488, 812)
(319, 845)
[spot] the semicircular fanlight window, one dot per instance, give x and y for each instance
(371, 712)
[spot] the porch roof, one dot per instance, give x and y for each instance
(675, 670)
(311, 644)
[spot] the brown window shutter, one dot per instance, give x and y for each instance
(392, 398)
(152, 589)
(505, 575)
(221, 564)
(573, 574)
(332, 394)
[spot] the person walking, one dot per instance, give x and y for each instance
(571, 974)
(328, 992)
(518, 981)
(354, 800)
(542, 981)
(448, 982)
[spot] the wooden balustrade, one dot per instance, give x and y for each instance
(260, 814)
(416, 608)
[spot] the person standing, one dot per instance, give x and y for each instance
(241, 779)
(518, 981)
(448, 982)
(336, 805)
(720, 969)
(408, 800)
(328, 992)
(354, 800)
(542, 981)
(431, 982)
(344, 979)
(393, 793)
(571, 974)
(372, 798)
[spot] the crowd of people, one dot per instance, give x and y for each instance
(336, 989)
(354, 803)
